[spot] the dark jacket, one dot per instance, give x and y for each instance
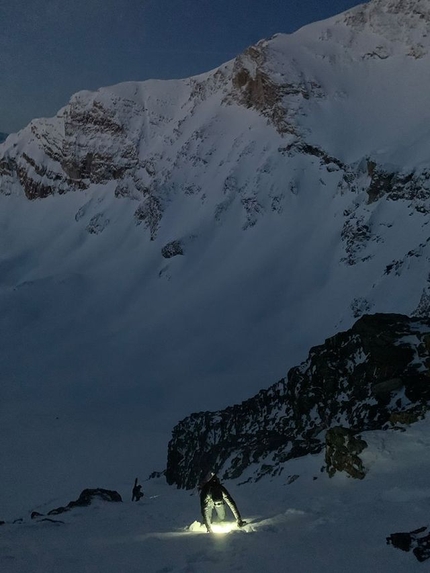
(213, 493)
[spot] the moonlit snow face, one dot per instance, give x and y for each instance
(106, 344)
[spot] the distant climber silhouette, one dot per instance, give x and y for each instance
(137, 491)
(214, 496)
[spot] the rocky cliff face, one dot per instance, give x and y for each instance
(138, 137)
(374, 376)
(279, 97)
(145, 138)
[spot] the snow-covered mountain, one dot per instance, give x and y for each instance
(175, 246)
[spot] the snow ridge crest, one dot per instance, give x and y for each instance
(399, 21)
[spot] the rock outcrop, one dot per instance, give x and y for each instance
(86, 497)
(342, 449)
(277, 99)
(417, 540)
(172, 249)
(374, 376)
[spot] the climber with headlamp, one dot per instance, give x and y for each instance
(214, 496)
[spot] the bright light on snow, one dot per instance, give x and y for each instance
(218, 528)
(222, 528)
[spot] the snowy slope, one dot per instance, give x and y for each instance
(302, 521)
(261, 170)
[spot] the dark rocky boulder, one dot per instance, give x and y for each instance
(412, 540)
(373, 376)
(172, 249)
(85, 499)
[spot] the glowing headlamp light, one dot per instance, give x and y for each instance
(221, 528)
